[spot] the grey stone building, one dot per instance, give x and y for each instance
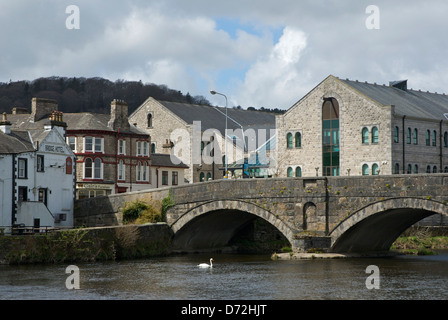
(345, 127)
(195, 134)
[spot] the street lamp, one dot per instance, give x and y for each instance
(225, 132)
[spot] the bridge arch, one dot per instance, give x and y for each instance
(376, 226)
(213, 224)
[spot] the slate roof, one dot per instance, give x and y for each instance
(164, 160)
(407, 102)
(214, 117)
(16, 142)
(74, 121)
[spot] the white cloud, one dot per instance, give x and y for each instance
(272, 81)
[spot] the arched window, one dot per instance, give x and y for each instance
(408, 136)
(289, 140)
(121, 170)
(97, 168)
(330, 137)
(298, 140)
(428, 169)
(209, 176)
(365, 170)
(397, 168)
(428, 137)
(88, 168)
(445, 139)
(298, 172)
(446, 170)
(375, 170)
(375, 135)
(149, 120)
(415, 168)
(289, 172)
(434, 138)
(397, 135)
(415, 136)
(434, 169)
(153, 148)
(201, 177)
(365, 135)
(409, 169)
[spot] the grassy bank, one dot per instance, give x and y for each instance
(422, 241)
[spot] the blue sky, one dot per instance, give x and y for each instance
(259, 53)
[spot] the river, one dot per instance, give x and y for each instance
(247, 277)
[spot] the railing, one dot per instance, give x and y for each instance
(21, 229)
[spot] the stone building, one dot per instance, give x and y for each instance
(112, 155)
(345, 127)
(195, 134)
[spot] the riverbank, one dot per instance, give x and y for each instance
(88, 245)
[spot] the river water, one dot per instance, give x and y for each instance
(242, 277)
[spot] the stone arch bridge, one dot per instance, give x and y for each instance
(338, 214)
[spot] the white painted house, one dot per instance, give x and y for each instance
(37, 176)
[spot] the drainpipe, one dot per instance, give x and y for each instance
(404, 143)
(13, 202)
(440, 147)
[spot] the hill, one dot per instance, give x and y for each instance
(87, 94)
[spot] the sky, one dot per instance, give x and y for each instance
(257, 53)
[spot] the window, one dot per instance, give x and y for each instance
(88, 168)
(330, 137)
(409, 169)
(375, 169)
(209, 176)
(445, 139)
(415, 136)
(121, 147)
(23, 168)
(428, 169)
(397, 168)
(365, 135)
(428, 137)
(434, 138)
(23, 194)
(201, 177)
(92, 144)
(121, 170)
(298, 140)
(375, 135)
(365, 170)
(149, 120)
(40, 163)
(71, 141)
(298, 172)
(88, 144)
(92, 169)
(164, 178)
(434, 169)
(415, 168)
(153, 148)
(97, 168)
(289, 172)
(174, 178)
(446, 170)
(142, 171)
(408, 136)
(43, 195)
(289, 140)
(397, 135)
(142, 148)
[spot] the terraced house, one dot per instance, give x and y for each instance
(346, 127)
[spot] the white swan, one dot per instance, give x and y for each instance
(205, 265)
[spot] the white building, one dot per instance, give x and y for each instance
(37, 176)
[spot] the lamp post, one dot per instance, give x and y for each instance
(225, 132)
